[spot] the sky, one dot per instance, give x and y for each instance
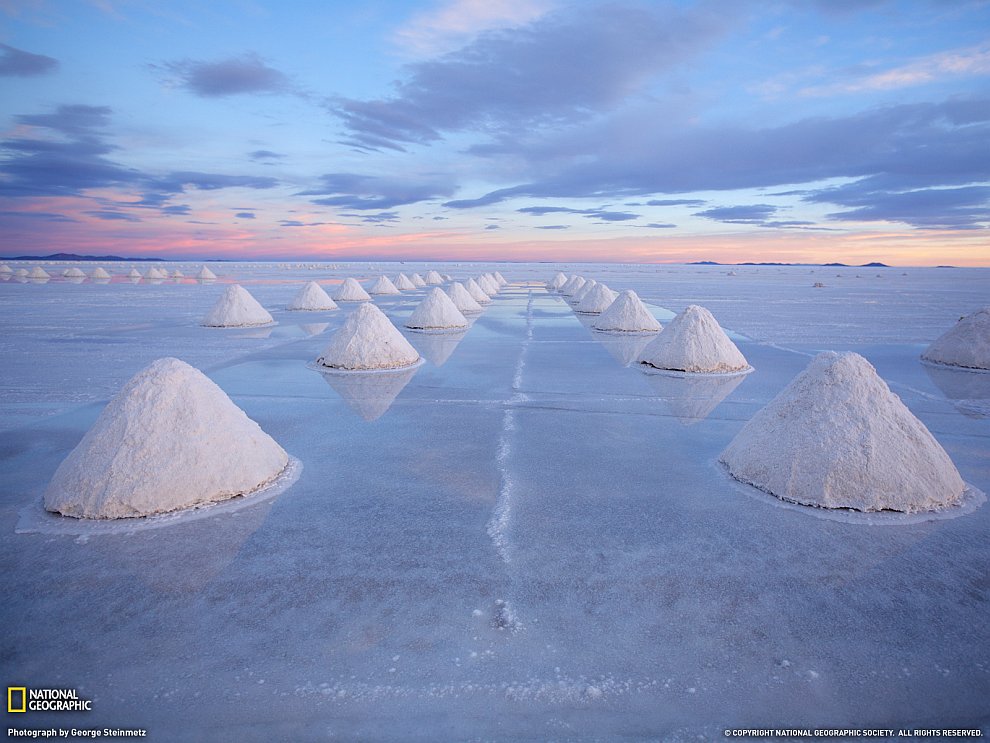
(536, 130)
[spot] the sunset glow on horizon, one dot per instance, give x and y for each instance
(528, 130)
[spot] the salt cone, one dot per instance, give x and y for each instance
(557, 281)
(73, 273)
(368, 340)
(383, 286)
(100, 273)
(236, 308)
(417, 281)
(966, 344)
(312, 298)
(436, 312)
(462, 299)
(596, 301)
(351, 291)
(627, 314)
(476, 292)
(402, 283)
(572, 285)
(433, 278)
(205, 273)
(694, 342)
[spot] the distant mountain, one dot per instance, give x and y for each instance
(875, 264)
(771, 263)
(74, 257)
(704, 263)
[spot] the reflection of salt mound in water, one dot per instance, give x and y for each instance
(171, 439)
(462, 299)
(73, 273)
(573, 284)
(417, 280)
(625, 349)
(383, 286)
(969, 391)
(370, 395)
(557, 281)
(314, 328)
(437, 348)
(966, 344)
(837, 437)
(627, 314)
(402, 283)
(433, 278)
(692, 398)
(312, 298)
(100, 273)
(596, 301)
(694, 342)
(436, 312)
(236, 308)
(476, 292)
(206, 274)
(351, 291)
(582, 292)
(38, 273)
(368, 340)
(75, 279)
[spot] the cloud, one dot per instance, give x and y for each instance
(675, 202)
(600, 214)
(564, 67)
(754, 214)
(112, 215)
(379, 218)
(18, 63)
(552, 227)
(357, 191)
(176, 210)
(263, 155)
(966, 207)
(659, 226)
(244, 215)
(493, 226)
(40, 216)
(247, 74)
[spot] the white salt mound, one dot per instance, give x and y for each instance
(351, 291)
(627, 314)
(170, 439)
(476, 292)
(368, 340)
(23, 272)
(100, 273)
(572, 285)
(462, 299)
(205, 273)
(967, 344)
(417, 280)
(694, 342)
(500, 279)
(177, 274)
(402, 282)
(582, 292)
(837, 437)
(383, 286)
(134, 274)
(4, 268)
(433, 278)
(557, 281)
(236, 308)
(597, 300)
(436, 312)
(488, 285)
(38, 273)
(73, 273)
(312, 298)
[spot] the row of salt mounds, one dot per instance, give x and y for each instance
(556, 282)
(581, 293)
(694, 342)
(433, 278)
(236, 308)
(312, 298)
(596, 301)
(436, 312)
(489, 285)
(368, 340)
(572, 285)
(170, 439)
(351, 291)
(463, 300)
(967, 344)
(627, 314)
(837, 437)
(417, 281)
(402, 283)
(477, 293)
(206, 273)
(383, 286)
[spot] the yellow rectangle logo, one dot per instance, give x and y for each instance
(11, 695)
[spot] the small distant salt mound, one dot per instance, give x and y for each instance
(462, 299)
(433, 278)
(312, 298)
(368, 340)
(134, 274)
(402, 283)
(627, 314)
(154, 273)
(205, 273)
(170, 439)
(694, 342)
(500, 279)
(73, 273)
(38, 273)
(572, 285)
(383, 286)
(557, 282)
(100, 273)
(177, 274)
(837, 437)
(818, 285)
(417, 280)
(351, 291)
(476, 292)
(236, 308)
(597, 300)
(966, 344)
(731, 273)
(22, 272)
(4, 268)
(582, 292)
(436, 312)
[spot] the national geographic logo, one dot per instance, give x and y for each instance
(22, 699)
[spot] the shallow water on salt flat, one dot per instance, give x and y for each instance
(522, 538)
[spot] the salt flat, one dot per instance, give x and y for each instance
(531, 542)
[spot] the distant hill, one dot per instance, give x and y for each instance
(74, 257)
(753, 263)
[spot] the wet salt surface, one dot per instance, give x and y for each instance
(525, 539)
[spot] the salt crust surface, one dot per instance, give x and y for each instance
(368, 340)
(837, 437)
(627, 314)
(312, 298)
(966, 344)
(169, 425)
(694, 342)
(436, 311)
(236, 308)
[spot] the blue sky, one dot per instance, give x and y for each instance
(796, 130)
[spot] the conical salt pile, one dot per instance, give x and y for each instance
(488, 285)
(73, 273)
(22, 272)
(597, 300)
(433, 278)
(694, 342)
(152, 273)
(100, 273)
(170, 439)
(205, 273)
(177, 274)
(837, 437)
(436, 312)
(351, 291)
(38, 273)
(134, 274)
(573, 284)
(462, 299)
(4, 268)
(500, 279)
(557, 281)
(236, 308)
(476, 292)
(417, 280)
(967, 344)
(368, 340)
(402, 283)
(580, 294)
(383, 286)
(312, 298)
(627, 314)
